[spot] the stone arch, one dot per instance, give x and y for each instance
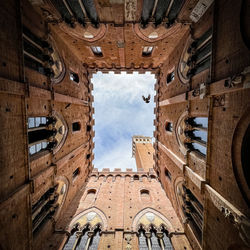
(240, 154)
(118, 177)
(101, 176)
(60, 125)
(146, 215)
(179, 181)
(93, 178)
(62, 190)
(179, 131)
(96, 34)
(162, 32)
(92, 217)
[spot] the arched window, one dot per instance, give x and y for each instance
(41, 134)
(90, 196)
(136, 178)
(169, 126)
(44, 208)
(83, 239)
(42, 56)
(196, 56)
(152, 239)
(196, 134)
(145, 196)
(193, 210)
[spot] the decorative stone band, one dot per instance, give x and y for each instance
(237, 218)
(172, 156)
(195, 178)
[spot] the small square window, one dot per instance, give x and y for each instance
(76, 126)
(97, 50)
(147, 51)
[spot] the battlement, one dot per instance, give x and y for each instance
(139, 139)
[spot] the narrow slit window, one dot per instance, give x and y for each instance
(76, 173)
(170, 77)
(88, 128)
(168, 174)
(97, 50)
(76, 126)
(147, 51)
(74, 77)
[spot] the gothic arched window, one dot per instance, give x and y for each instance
(45, 133)
(83, 239)
(44, 208)
(42, 56)
(196, 134)
(40, 134)
(196, 56)
(153, 239)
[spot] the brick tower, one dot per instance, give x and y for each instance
(143, 152)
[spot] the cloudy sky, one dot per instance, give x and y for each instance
(121, 113)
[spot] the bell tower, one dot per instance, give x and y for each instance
(143, 151)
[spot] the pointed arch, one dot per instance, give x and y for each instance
(162, 220)
(87, 216)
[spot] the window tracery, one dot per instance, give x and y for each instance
(42, 56)
(85, 231)
(191, 209)
(151, 238)
(192, 134)
(45, 133)
(44, 208)
(196, 56)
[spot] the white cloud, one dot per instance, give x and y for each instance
(120, 113)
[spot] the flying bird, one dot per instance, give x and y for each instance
(147, 100)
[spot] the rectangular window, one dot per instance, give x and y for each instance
(76, 126)
(74, 77)
(170, 77)
(147, 51)
(97, 50)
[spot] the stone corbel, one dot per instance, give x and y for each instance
(238, 219)
(243, 77)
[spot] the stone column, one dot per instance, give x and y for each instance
(160, 237)
(90, 235)
(148, 236)
(78, 237)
